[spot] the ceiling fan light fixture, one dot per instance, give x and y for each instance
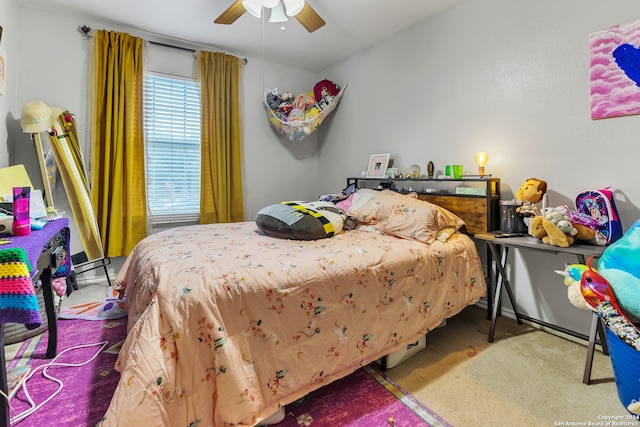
(277, 14)
(270, 4)
(293, 7)
(254, 7)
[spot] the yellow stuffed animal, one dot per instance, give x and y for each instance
(542, 228)
(585, 233)
(530, 193)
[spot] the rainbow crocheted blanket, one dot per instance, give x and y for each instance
(18, 302)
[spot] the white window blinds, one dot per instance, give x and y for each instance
(172, 133)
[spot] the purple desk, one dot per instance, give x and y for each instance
(49, 255)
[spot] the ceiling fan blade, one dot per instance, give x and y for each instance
(309, 18)
(229, 16)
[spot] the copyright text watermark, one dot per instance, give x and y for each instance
(604, 420)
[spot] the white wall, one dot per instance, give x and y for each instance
(8, 110)
(507, 77)
(52, 61)
(503, 76)
(53, 57)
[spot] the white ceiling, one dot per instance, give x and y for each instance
(352, 25)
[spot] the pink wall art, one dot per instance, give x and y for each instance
(615, 71)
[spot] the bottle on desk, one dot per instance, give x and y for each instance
(21, 222)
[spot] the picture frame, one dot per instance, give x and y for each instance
(378, 164)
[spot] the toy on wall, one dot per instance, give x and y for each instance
(299, 116)
(325, 91)
(304, 101)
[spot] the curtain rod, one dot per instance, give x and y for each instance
(86, 30)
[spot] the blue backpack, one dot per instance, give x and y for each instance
(601, 207)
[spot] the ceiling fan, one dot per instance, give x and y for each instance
(304, 13)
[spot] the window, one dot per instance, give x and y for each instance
(172, 134)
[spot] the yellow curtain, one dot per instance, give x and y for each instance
(66, 149)
(118, 184)
(221, 197)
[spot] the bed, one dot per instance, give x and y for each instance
(228, 324)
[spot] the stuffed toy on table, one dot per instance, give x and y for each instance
(531, 192)
(555, 229)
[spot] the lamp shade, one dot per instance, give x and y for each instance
(254, 7)
(293, 7)
(277, 14)
(481, 159)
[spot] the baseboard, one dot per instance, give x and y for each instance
(509, 313)
(84, 280)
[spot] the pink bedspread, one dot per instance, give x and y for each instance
(227, 324)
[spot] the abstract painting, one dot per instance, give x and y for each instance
(615, 71)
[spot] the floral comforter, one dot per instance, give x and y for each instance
(227, 324)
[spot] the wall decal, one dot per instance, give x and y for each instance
(615, 71)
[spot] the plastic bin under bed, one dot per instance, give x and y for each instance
(397, 357)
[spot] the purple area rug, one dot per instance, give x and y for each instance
(86, 390)
(363, 399)
(109, 309)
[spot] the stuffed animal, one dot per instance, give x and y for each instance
(560, 218)
(304, 101)
(549, 233)
(619, 266)
(312, 118)
(274, 99)
(530, 193)
(284, 109)
(617, 278)
(295, 114)
(325, 88)
(572, 276)
(584, 233)
(556, 214)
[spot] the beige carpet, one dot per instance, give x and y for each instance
(526, 377)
